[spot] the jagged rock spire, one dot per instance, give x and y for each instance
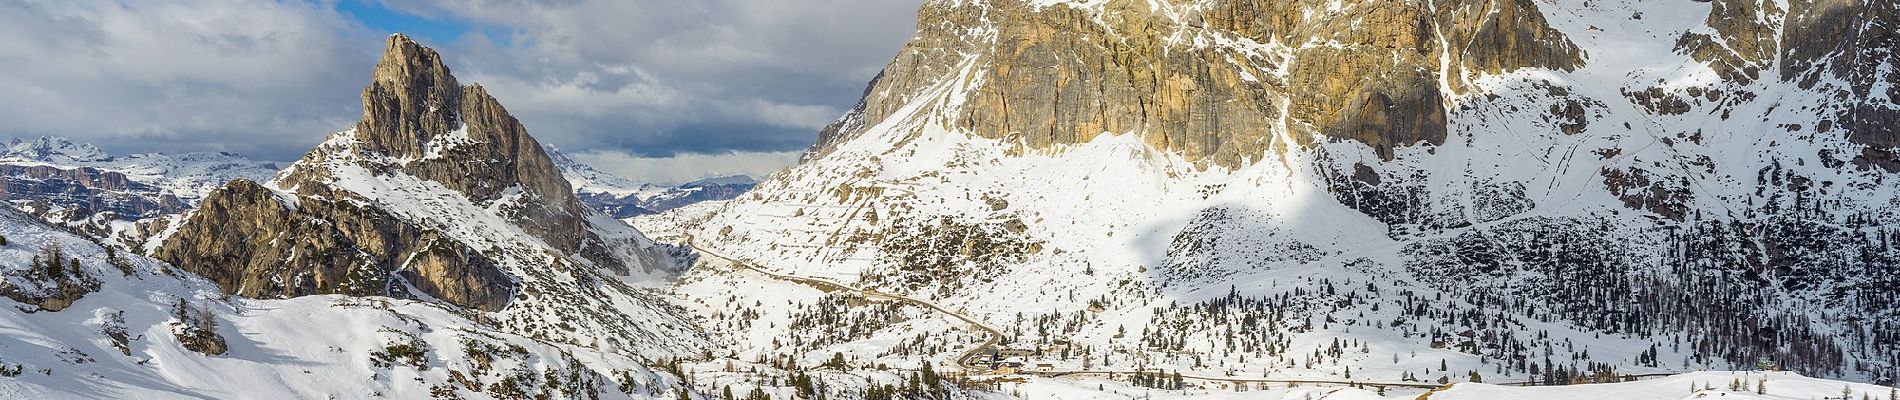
(420, 122)
(411, 98)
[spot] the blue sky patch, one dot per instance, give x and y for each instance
(376, 17)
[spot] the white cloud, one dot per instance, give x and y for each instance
(790, 115)
(664, 76)
(271, 78)
(251, 76)
(687, 167)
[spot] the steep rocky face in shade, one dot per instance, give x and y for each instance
(1218, 81)
(404, 201)
(1849, 46)
(1845, 46)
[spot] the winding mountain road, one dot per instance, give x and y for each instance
(963, 359)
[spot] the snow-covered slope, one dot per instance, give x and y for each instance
(1640, 204)
(126, 338)
(1697, 385)
(1700, 385)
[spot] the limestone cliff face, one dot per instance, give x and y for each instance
(320, 228)
(253, 243)
(1373, 71)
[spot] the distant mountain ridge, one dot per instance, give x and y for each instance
(625, 198)
(83, 180)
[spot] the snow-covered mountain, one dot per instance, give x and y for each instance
(90, 322)
(1392, 190)
(624, 198)
(52, 150)
(438, 194)
(690, 193)
(1305, 199)
(60, 173)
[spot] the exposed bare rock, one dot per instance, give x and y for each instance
(1852, 41)
(1744, 42)
(1641, 190)
(261, 246)
(51, 281)
(1063, 74)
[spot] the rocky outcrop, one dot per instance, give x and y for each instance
(253, 243)
(418, 119)
(1744, 42)
(1844, 46)
(1209, 79)
(1853, 42)
(50, 281)
(315, 230)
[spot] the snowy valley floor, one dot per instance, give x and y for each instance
(1696, 385)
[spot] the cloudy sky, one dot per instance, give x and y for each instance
(659, 90)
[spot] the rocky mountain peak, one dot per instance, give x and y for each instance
(411, 98)
(438, 189)
(52, 149)
(417, 116)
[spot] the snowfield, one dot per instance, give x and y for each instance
(1472, 256)
(309, 347)
(1733, 250)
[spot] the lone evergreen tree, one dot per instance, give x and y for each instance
(837, 361)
